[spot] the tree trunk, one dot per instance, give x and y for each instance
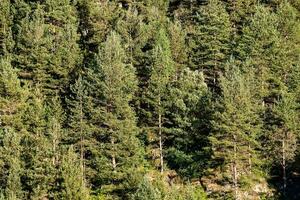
(284, 166)
(82, 164)
(113, 157)
(55, 142)
(235, 169)
(250, 161)
(160, 138)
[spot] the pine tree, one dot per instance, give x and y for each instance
(210, 45)
(134, 31)
(240, 12)
(178, 45)
(73, 187)
(288, 58)
(12, 103)
(120, 155)
(236, 125)
(30, 54)
(260, 45)
(46, 44)
(6, 41)
(79, 130)
(161, 74)
(39, 177)
(11, 164)
(54, 135)
(283, 133)
(12, 96)
(186, 136)
(96, 20)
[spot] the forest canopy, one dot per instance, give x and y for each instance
(149, 99)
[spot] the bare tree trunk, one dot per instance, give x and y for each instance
(113, 157)
(235, 169)
(250, 160)
(55, 141)
(160, 138)
(82, 164)
(284, 166)
(54, 151)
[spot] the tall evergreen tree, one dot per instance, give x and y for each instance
(120, 158)
(12, 96)
(12, 102)
(73, 188)
(186, 134)
(12, 164)
(210, 45)
(162, 73)
(177, 36)
(6, 41)
(96, 20)
(260, 45)
(39, 172)
(283, 134)
(236, 126)
(240, 12)
(79, 133)
(46, 43)
(54, 135)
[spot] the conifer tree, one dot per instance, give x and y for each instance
(283, 133)
(161, 75)
(240, 12)
(12, 164)
(186, 133)
(46, 44)
(178, 45)
(39, 171)
(288, 58)
(97, 19)
(54, 135)
(79, 131)
(236, 125)
(73, 187)
(12, 96)
(210, 47)
(261, 43)
(30, 56)
(12, 102)
(6, 41)
(133, 30)
(120, 155)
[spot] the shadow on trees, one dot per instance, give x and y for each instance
(293, 180)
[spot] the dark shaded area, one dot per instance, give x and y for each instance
(293, 180)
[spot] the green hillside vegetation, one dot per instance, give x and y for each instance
(149, 99)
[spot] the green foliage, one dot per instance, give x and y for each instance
(157, 190)
(12, 166)
(46, 49)
(73, 179)
(146, 191)
(96, 96)
(283, 127)
(236, 125)
(12, 95)
(6, 40)
(40, 169)
(210, 45)
(185, 138)
(118, 154)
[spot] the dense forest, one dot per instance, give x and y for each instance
(149, 99)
